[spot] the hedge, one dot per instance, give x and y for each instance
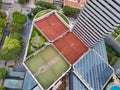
(69, 11)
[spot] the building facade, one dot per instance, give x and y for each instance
(97, 20)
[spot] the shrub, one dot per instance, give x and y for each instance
(45, 5)
(23, 1)
(69, 11)
(112, 55)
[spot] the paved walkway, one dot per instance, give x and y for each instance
(30, 4)
(25, 35)
(116, 82)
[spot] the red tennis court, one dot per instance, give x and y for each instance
(71, 47)
(51, 26)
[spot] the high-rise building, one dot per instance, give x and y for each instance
(97, 20)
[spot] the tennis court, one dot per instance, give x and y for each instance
(47, 66)
(51, 26)
(71, 47)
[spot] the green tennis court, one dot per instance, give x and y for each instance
(47, 66)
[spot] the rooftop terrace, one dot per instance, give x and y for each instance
(47, 66)
(71, 47)
(51, 26)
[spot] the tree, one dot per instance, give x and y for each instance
(1, 30)
(0, 4)
(15, 28)
(19, 18)
(2, 73)
(2, 23)
(11, 43)
(17, 36)
(11, 49)
(3, 15)
(2, 88)
(23, 1)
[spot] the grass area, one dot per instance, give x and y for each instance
(112, 55)
(118, 39)
(36, 42)
(50, 64)
(64, 17)
(41, 13)
(116, 33)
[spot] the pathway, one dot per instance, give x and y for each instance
(5, 33)
(25, 35)
(30, 4)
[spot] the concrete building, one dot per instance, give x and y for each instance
(97, 20)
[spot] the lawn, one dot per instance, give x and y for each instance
(64, 17)
(46, 66)
(41, 13)
(118, 39)
(116, 33)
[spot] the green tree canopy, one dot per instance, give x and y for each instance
(0, 4)
(17, 36)
(3, 15)
(11, 49)
(19, 18)
(2, 23)
(2, 73)
(11, 43)
(15, 28)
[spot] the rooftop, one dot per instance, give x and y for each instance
(98, 72)
(51, 26)
(45, 63)
(76, 83)
(71, 47)
(29, 82)
(64, 47)
(74, 3)
(13, 84)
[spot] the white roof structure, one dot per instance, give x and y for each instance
(8, 1)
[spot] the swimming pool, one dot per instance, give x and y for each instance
(114, 88)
